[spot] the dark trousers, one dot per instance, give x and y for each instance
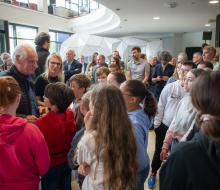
(57, 177)
(160, 135)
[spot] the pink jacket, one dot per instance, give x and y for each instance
(24, 154)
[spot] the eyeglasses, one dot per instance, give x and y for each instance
(55, 63)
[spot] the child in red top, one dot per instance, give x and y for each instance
(24, 153)
(58, 127)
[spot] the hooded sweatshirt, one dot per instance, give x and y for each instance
(58, 130)
(194, 165)
(23, 154)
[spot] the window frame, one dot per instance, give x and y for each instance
(15, 38)
(57, 43)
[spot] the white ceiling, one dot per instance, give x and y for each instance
(188, 16)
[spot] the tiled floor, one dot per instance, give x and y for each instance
(151, 144)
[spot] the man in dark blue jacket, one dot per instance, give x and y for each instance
(24, 65)
(71, 65)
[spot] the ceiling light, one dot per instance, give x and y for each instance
(156, 18)
(213, 1)
(118, 9)
(207, 25)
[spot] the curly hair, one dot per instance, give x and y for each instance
(41, 38)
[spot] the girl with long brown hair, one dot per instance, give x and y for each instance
(108, 146)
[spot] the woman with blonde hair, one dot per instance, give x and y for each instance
(108, 146)
(53, 73)
(24, 153)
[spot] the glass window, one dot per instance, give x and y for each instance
(79, 7)
(21, 33)
(61, 37)
(52, 36)
(57, 38)
(23, 1)
(33, 1)
(25, 32)
(11, 34)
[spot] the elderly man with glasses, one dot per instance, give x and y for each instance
(24, 65)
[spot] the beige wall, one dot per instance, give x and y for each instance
(42, 20)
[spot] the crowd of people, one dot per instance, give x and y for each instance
(65, 119)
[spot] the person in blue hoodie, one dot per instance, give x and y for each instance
(135, 93)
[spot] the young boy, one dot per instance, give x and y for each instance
(79, 84)
(102, 74)
(58, 127)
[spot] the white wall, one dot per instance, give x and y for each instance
(178, 42)
(42, 20)
(168, 44)
(192, 40)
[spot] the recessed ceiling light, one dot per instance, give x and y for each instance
(207, 25)
(156, 18)
(213, 1)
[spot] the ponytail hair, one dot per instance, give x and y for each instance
(137, 89)
(205, 98)
(9, 91)
(150, 104)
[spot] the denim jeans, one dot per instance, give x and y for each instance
(173, 144)
(141, 178)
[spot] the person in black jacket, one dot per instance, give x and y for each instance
(196, 164)
(25, 63)
(42, 42)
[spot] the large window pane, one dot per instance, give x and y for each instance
(11, 31)
(62, 37)
(12, 45)
(52, 36)
(53, 47)
(60, 3)
(25, 41)
(24, 32)
(57, 38)
(79, 7)
(33, 1)
(23, 1)
(21, 33)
